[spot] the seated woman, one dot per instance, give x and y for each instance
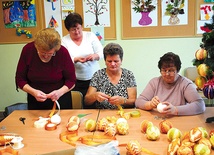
(177, 92)
(113, 85)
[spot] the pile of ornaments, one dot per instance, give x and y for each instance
(196, 141)
(110, 125)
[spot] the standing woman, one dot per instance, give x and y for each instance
(85, 50)
(113, 85)
(46, 72)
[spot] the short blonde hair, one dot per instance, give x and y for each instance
(47, 39)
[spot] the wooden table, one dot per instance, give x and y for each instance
(41, 141)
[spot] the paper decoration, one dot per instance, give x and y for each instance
(96, 13)
(66, 10)
(206, 11)
(99, 32)
(53, 8)
(67, 6)
(19, 32)
(200, 26)
(53, 23)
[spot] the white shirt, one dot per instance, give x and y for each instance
(89, 45)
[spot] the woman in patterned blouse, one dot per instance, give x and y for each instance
(113, 85)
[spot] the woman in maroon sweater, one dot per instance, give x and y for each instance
(46, 72)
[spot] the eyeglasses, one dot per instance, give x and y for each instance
(169, 72)
(48, 54)
(73, 30)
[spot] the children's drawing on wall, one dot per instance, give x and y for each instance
(53, 23)
(19, 13)
(99, 32)
(206, 13)
(143, 13)
(52, 4)
(53, 16)
(96, 13)
(174, 12)
(67, 7)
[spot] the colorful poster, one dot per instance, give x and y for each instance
(19, 13)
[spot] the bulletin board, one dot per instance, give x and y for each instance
(110, 32)
(158, 31)
(8, 35)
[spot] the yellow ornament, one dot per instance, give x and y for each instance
(110, 129)
(123, 128)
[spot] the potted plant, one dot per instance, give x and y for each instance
(144, 7)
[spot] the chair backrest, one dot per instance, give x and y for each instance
(191, 73)
(17, 106)
(77, 99)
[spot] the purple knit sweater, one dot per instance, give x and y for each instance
(182, 94)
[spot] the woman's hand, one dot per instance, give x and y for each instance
(154, 102)
(100, 97)
(80, 59)
(116, 100)
(54, 95)
(170, 109)
(92, 57)
(39, 95)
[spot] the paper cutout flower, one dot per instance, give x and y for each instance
(143, 6)
(174, 7)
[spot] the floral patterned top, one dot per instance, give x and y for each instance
(102, 83)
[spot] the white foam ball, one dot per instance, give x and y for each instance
(119, 120)
(56, 119)
(160, 107)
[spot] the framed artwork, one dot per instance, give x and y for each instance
(20, 20)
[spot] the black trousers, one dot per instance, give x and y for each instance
(65, 102)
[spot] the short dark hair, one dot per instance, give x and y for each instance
(113, 49)
(72, 20)
(169, 59)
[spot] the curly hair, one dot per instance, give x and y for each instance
(47, 39)
(169, 59)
